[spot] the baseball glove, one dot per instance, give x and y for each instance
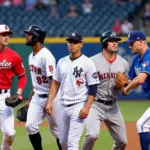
(13, 101)
(21, 114)
(121, 82)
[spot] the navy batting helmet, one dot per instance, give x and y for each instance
(106, 36)
(38, 34)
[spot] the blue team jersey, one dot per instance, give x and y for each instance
(142, 64)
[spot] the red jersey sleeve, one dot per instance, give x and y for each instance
(18, 66)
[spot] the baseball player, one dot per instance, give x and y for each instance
(10, 65)
(140, 75)
(77, 80)
(105, 108)
(41, 66)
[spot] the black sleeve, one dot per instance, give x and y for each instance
(93, 90)
(51, 77)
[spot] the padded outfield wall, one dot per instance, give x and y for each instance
(59, 49)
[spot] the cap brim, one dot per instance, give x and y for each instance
(71, 38)
(129, 41)
(9, 32)
(118, 39)
(26, 31)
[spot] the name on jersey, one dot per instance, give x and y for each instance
(35, 69)
(5, 64)
(106, 75)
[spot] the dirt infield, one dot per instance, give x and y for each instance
(133, 139)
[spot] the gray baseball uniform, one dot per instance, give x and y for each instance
(105, 108)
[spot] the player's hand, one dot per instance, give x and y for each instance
(84, 113)
(27, 103)
(49, 108)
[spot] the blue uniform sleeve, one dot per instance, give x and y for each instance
(145, 65)
(132, 73)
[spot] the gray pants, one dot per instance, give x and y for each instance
(114, 121)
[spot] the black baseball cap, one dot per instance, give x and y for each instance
(75, 36)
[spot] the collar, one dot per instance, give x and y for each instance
(140, 58)
(72, 59)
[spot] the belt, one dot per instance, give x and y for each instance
(43, 95)
(69, 105)
(3, 91)
(107, 102)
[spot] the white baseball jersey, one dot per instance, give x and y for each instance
(75, 77)
(41, 67)
(106, 90)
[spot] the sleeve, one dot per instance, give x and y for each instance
(57, 73)
(132, 73)
(91, 74)
(145, 66)
(50, 64)
(18, 66)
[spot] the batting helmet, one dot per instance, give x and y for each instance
(38, 34)
(106, 36)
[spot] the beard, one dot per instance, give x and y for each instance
(30, 43)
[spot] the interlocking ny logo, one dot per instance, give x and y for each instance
(77, 72)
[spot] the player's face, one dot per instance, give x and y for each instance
(112, 45)
(4, 37)
(135, 46)
(74, 46)
(29, 39)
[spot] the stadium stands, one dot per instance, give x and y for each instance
(102, 18)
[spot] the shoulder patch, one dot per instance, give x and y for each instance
(95, 75)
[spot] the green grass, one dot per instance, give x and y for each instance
(131, 110)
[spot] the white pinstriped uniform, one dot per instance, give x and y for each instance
(41, 67)
(75, 77)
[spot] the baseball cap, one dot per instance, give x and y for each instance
(5, 29)
(74, 36)
(135, 36)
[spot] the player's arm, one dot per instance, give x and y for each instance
(91, 96)
(29, 99)
(137, 81)
(19, 70)
(52, 93)
(22, 80)
(51, 79)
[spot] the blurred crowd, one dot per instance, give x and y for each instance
(121, 27)
(145, 17)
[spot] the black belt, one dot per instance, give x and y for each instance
(69, 105)
(107, 102)
(43, 95)
(3, 91)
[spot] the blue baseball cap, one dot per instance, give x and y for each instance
(135, 36)
(74, 36)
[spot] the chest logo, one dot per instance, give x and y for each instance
(77, 72)
(5, 64)
(79, 82)
(35, 69)
(145, 64)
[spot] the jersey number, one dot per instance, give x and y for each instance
(42, 79)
